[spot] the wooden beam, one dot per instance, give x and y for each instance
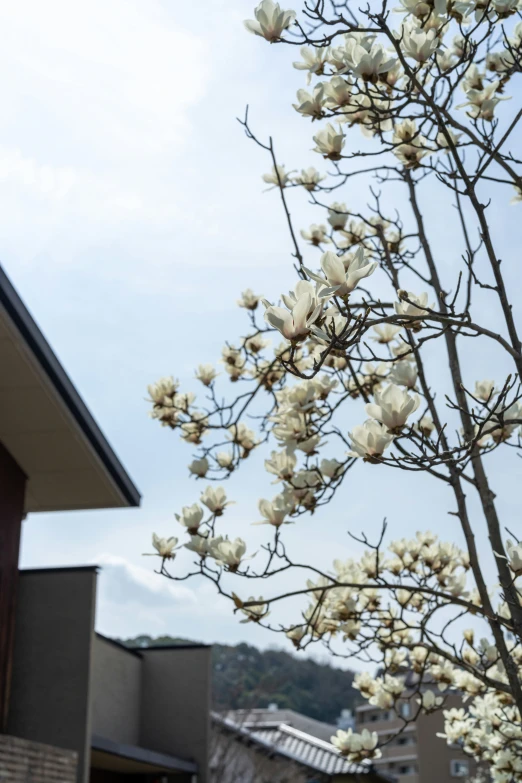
(12, 493)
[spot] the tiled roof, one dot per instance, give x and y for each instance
(297, 746)
(252, 717)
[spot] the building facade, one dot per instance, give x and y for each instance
(76, 707)
(411, 751)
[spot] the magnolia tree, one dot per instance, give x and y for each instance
(426, 88)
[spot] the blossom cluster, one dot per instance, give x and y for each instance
(343, 367)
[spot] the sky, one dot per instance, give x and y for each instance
(133, 215)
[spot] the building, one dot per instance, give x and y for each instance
(412, 752)
(75, 707)
(248, 749)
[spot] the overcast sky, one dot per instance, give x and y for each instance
(133, 214)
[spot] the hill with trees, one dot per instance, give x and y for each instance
(245, 677)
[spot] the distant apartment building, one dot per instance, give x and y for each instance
(412, 752)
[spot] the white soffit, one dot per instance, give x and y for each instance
(45, 425)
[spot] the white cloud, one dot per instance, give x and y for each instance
(124, 582)
(111, 72)
(96, 108)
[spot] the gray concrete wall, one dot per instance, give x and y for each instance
(175, 703)
(116, 692)
(52, 660)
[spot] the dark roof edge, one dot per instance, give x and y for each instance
(44, 354)
(132, 650)
(156, 647)
(143, 755)
(57, 569)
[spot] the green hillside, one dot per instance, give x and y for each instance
(247, 677)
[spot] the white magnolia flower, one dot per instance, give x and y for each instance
(225, 459)
(281, 464)
(500, 62)
(366, 684)
(215, 500)
(442, 141)
(243, 436)
(330, 468)
(445, 60)
(163, 391)
(482, 103)
(402, 350)
(274, 511)
(206, 374)
(227, 553)
(309, 178)
(330, 142)
(338, 92)
(193, 431)
(232, 355)
(417, 305)
(316, 234)
(430, 701)
(419, 8)
(426, 426)
(344, 278)
(296, 635)
(278, 177)
(412, 146)
(311, 104)
(337, 215)
(485, 390)
(357, 747)
(294, 324)
(199, 467)
(270, 20)
(456, 585)
(255, 343)
(386, 333)
(235, 371)
(164, 546)
(314, 60)
(505, 8)
(473, 79)
(514, 552)
(249, 300)
(518, 195)
(191, 517)
(417, 43)
(506, 425)
(368, 63)
(369, 440)
(256, 612)
(392, 407)
(404, 373)
(199, 545)
(309, 446)
(353, 234)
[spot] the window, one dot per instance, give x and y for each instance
(405, 709)
(404, 740)
(459, 768)
(406, 769)
(375, 716)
